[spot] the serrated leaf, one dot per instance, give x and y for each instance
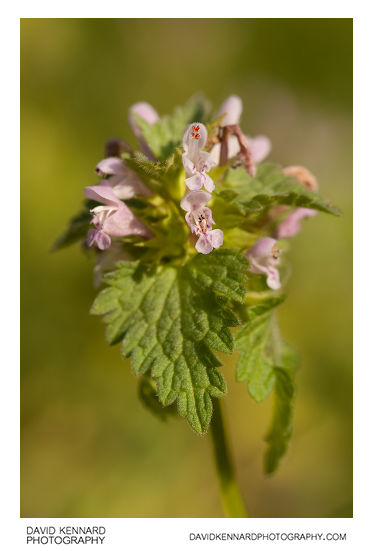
(171, 319)
(269, 188)
(258, 358)
(166, 134)
(77, 227)
(148, 397)
(162, 177)
(281, 429)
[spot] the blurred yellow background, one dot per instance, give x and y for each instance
(88, 446)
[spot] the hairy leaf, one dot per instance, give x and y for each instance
(269, 188)
(170, 320)
(282, 422)
(268, 363)
(167, 133)
(163, 177)
(257, 342)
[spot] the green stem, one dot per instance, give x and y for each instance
(233, 503)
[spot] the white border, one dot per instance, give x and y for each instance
(173, 533)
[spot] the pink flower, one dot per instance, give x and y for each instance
(112, 218)
(122, 180)
(197, 162)
(260, 145)
(263, 257)
(148, 114)
(231, 108)
(290, 226)
(199, 219)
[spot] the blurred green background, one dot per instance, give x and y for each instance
(89, 448)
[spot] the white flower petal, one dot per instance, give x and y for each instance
(260, 148)
(195, 200)
(208, 182)
(203, 245)
(195, 138)
(232, 108)
(195, 182)
(110, 165)
(216, 238)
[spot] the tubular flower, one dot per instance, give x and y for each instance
(290, 226)
(260, 146)
(122, 180)
(199, 219)
(197, 162)
(112, 218)
(263, 257)
(148, 114)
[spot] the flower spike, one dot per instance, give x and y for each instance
(197, 162)
(199, 219)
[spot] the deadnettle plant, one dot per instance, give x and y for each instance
(199, 219)
(111, 218)
(196, 161)
(264, 257)
(175, 290)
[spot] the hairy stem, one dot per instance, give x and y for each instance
(230, 493)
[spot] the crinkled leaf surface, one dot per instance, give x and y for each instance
(269, 188)
(167, 133)
(267, 363)
(256, 341)
(170, 319)
(281, 429)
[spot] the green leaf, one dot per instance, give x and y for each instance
(171, 319)
(163, 177)
(268, 363)
(269, 188)
(281, 429)
(257, 341)
(77, 228)
(148, 396)
(166, 134)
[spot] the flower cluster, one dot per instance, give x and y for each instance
(264, 255)
(259, 146)
(196, 164)
(112, 218)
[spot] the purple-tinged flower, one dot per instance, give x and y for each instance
(290, 226)
(199, 219)
(260, 146)
(231, 108)
(197, 162)
(123, 181)
(263, 257)
(112, 218)
(148, 114)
